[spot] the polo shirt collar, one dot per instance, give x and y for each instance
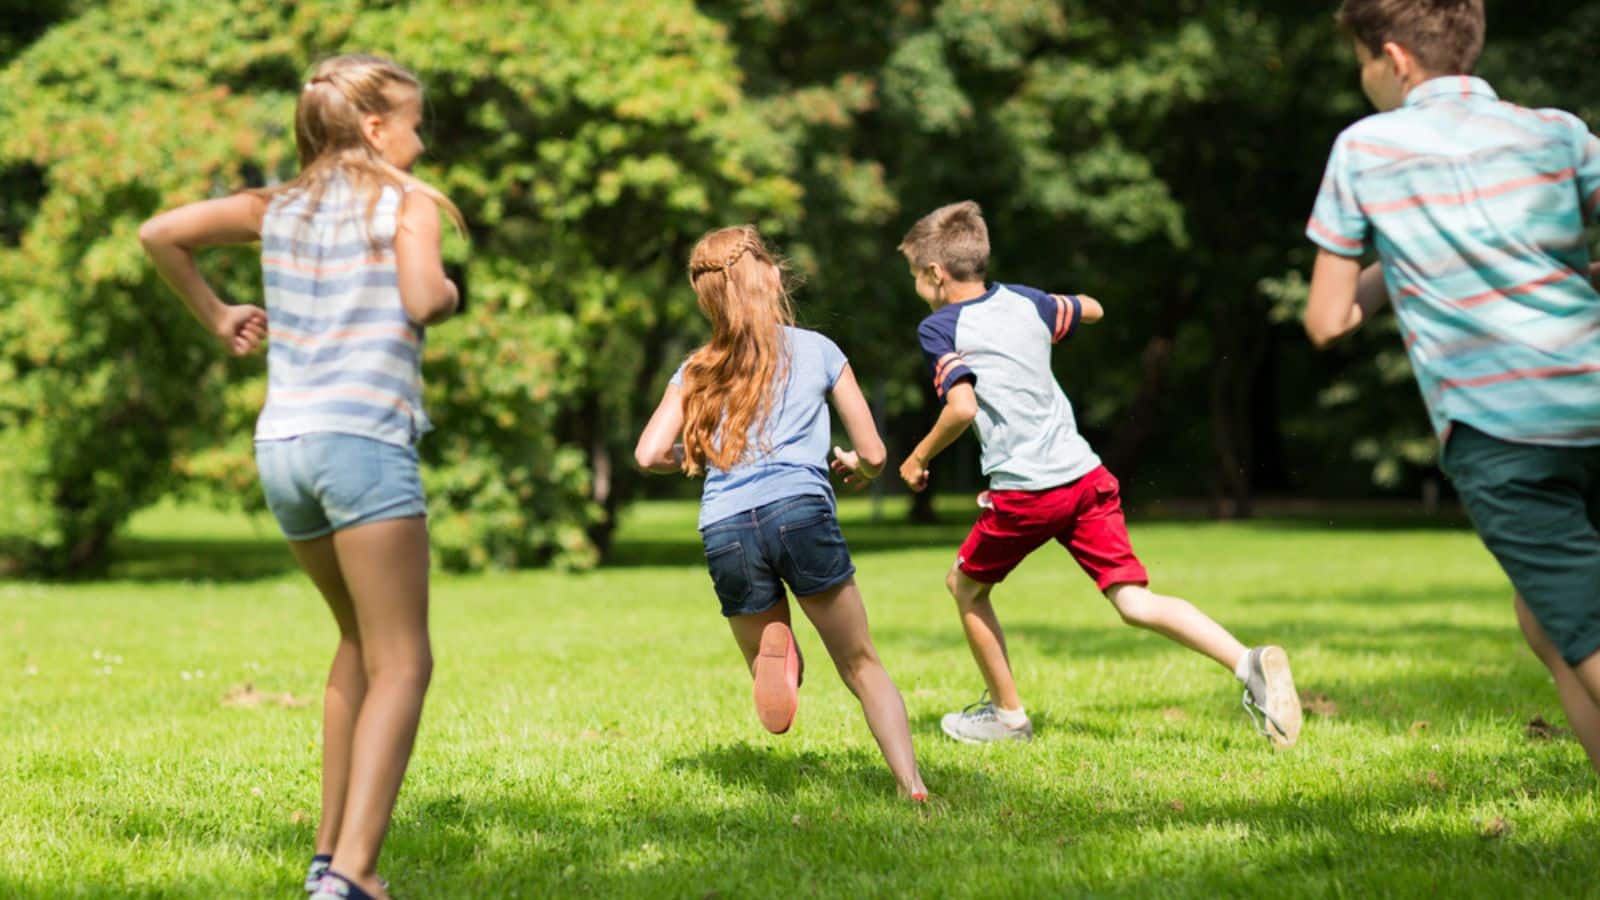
(1458, 86)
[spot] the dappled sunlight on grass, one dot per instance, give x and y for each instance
(591, 734)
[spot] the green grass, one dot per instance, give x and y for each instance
(592, 734)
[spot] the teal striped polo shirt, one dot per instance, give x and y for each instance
(1477, 208)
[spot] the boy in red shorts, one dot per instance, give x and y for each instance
(988, 346)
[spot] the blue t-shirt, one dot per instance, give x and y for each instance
(789, 456)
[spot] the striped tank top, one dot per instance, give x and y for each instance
(342, 355)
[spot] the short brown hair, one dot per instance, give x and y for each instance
(1445, 36)
(953, 236)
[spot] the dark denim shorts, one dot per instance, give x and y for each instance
(794, 541)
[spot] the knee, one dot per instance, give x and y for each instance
(953, 584)
(1538, 641)
(1138, 607)
(967, 593)
(413, 669)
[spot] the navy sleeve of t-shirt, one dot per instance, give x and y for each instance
(1061, 312)
(937, 335)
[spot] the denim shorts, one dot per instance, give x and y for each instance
(794, 541)
(319, 483)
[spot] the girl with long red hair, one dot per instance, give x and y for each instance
(748, 410)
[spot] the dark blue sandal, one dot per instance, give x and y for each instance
(337, 887)
(317, 869)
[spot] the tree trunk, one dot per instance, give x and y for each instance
(1143, 418)
(1241, 345)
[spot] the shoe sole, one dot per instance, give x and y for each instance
(777, 677)
(1282, 700)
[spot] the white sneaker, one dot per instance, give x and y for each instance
(979, 723)
(1269, 690)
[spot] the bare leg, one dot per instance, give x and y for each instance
(385, 565)
(1576, 687)
(747, 632)
(347, 685)
(984, 637)
(1178, 619)
(841, 620)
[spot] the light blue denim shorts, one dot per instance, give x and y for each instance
(322, 482)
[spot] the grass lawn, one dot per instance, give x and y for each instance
(593, 735)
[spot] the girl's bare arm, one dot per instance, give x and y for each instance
(429, 297)
(658, 449)
(171, 238)
(864, 461)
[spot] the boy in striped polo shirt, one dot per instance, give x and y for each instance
(1476, 208)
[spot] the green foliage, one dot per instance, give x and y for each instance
(1161, 156)
(587, 144)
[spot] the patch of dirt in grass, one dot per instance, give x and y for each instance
(1318, 704)
(245, 696)
(1432, 779)
(1496, 827)
(1174, 714)
(1540, 730)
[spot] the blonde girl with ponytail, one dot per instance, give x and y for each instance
(352, 272)
(749, 412)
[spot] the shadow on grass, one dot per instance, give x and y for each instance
(222, 560)
(1447, 671)
(828, 824)
(678, 544)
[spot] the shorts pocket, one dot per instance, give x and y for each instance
(1107, 488)
(348, 469)
(730, 574)
(815, 547)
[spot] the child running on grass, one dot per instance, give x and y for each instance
(352, 272)
(988, 346)
(1476, 208)
(751, 410)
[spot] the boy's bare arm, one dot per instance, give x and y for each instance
(1092, 310)
(960, 408)
(658, 450)
(1343, 296)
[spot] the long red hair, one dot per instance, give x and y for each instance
(731, 382)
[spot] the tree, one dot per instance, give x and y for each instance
(587, 144)
(1153, 154)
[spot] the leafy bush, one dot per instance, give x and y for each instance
(587, 144)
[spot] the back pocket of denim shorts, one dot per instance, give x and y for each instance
(348, 469)
(730, 575)
(815, 546)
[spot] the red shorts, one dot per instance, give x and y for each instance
(1085, 516)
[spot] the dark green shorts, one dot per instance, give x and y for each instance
(1537, 509)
